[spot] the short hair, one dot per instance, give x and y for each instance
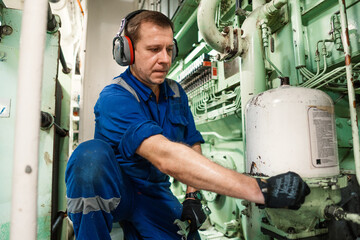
(133, 25)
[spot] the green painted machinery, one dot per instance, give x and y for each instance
(54, 142)
(233, 50)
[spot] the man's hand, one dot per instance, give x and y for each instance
(192, 211)
(284, 190)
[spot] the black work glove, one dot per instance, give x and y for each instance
(192, 211)
(283, 190)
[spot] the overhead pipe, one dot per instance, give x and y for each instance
(297, 32)
(350, 85)
(252, 66)
(207, 26)
(229, 43)
(189, 23)
(27, 123)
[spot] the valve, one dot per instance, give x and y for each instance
(338, 213)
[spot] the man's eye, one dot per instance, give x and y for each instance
(154, 49)
(169, 50)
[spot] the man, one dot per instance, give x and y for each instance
(144, 125)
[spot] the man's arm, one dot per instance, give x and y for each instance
(197, 148)
(190, 167)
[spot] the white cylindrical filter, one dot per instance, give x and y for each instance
(291, 129)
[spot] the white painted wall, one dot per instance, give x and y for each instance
(104, 18)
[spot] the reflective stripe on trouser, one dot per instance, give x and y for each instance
(86, 205)
(99, 194)
(97, 191)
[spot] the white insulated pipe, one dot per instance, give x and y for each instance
(207, 27)
(252, 72)
(298, 36)
(252, 63)
(258, 3)
(350, 85)
(27, 124)
(252, 68)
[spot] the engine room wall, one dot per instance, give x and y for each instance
(104, 18)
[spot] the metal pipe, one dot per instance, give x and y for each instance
(158, 5)
(298, 36)
(336, 31)
(141, 4)
(65, 69)
(58, 221)
(316, 78)
(277, 70)
(265, 34)
(350, 85)
(186, 26)
(273, 7)
(47, 121)
(51, 24)
(223, 138)
(152, 3)
(338, 213)
(258, 3)
(27, 125)
(207, 27)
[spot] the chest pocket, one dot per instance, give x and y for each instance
(177, 120)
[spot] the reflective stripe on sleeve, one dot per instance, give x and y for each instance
(86, 205)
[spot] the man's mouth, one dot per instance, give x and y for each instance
(160, 71)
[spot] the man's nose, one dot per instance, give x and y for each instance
(165, 56)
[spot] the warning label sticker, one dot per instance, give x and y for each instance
(322, 136)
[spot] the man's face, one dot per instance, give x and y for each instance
(153, 53)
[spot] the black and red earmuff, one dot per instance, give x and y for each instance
(123, 49)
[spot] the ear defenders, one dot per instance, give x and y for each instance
(123, 49)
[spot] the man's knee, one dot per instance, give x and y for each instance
(88, 163)
(92, 150)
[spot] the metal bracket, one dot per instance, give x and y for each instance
(237, 44)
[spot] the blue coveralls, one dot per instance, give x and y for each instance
(137, 194)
